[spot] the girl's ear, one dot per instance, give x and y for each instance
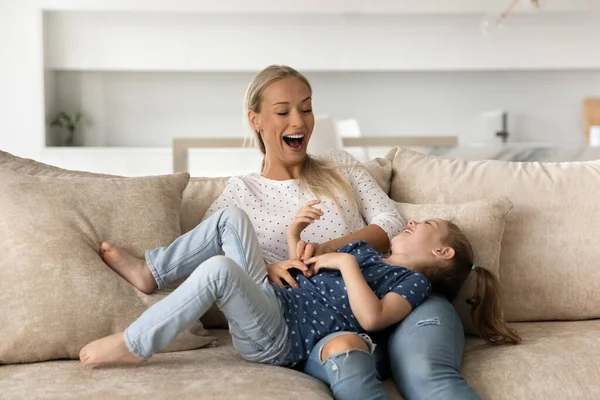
(443, 253)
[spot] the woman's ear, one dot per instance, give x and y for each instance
(254, 120)
(443, 253)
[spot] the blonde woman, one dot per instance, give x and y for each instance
(424, 357)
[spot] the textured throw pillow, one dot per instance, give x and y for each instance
(550, 249)
(197, 197)
(483, 223)
(381, 170)
(56, 292)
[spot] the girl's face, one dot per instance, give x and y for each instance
(421, 240)
(286, 120)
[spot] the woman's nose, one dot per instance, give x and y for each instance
(411, 222)
(297, 119)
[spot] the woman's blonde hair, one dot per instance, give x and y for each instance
(321, 177)
(486, 304)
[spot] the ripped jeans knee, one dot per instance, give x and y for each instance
(345, 347)
(348, 369)
(345, 352)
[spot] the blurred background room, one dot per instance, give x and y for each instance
(112, 85)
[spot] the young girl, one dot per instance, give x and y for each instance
(279, 326)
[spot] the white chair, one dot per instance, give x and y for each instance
(348, 128)
(329, 133)
(325, 136)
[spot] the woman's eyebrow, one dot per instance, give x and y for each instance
(287, 102)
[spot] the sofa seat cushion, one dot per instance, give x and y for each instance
(556, 360)
(209, 373)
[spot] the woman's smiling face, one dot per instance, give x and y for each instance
(285, 120)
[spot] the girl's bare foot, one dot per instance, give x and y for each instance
(108, 350)
(133, 269)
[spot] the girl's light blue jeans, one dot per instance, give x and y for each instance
(236, 282)
(424, 353)
(350, 375)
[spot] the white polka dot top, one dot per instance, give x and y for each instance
(273, 204)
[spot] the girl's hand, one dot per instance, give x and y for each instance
(280, 271)
(336, 261)
(306, 250)
(303, 218)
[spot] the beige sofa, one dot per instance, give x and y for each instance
(545, 250)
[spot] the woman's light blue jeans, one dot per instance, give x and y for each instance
(424, 353)
(237, 283)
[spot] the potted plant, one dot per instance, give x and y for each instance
(71, 122)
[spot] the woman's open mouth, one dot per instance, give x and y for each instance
(294, 141)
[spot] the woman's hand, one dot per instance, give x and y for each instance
(303, 218)
(280, 271)
(336, 261)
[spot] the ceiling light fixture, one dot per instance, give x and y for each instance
(495, 23)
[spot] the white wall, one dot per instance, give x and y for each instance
(149, 109)
(21, 79)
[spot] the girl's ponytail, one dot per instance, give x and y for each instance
(486, 310)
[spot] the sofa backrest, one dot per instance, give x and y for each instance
(551, 245)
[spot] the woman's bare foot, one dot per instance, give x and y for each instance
(133, 269)
(108, 350)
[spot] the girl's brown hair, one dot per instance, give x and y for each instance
(322, 178)
(486, 302)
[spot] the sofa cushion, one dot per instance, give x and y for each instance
(482, 222)
(210, 373)
(56, 292)
(552, 230)
(556, 360)
(197, 197)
